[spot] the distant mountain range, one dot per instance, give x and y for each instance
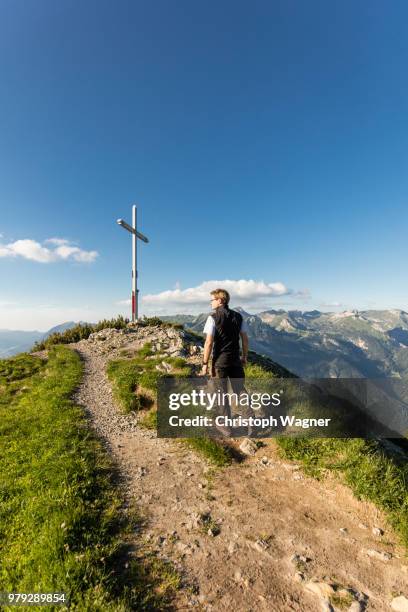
(368, 344)
(14, 341)
(314, 344)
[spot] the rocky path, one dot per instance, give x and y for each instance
(255, 536)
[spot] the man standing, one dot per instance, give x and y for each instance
(223, 329)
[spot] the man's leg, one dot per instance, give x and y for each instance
(222, 376)
(236, 375)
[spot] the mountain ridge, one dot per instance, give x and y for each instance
(367, 343)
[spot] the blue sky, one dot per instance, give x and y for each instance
(264, 142)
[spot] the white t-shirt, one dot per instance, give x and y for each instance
(209, 327)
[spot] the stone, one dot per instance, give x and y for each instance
(343, 530)
(400, 604)
(261, 545)
(299, 577)
(183, 548)
(323, 589)
(325, 606)
(356, 606)
(377, 531)
(299, 559)
(237, 576)
(232, 548)
(248, 447)
(379, 554)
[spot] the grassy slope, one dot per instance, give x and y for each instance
(58, 506)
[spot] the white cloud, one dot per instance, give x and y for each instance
(34, 251)
(57, 241)
(244, 291)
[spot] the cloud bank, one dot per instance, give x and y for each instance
(60, 249)
(242, 291)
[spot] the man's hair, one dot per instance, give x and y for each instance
(221, 294)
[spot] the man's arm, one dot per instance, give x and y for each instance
(209, 330)
(245, 345)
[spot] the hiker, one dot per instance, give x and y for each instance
(224, 328)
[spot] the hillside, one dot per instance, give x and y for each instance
(351, 344)
(252, 532)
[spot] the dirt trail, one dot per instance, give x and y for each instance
(267, 512)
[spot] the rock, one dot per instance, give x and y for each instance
(362, 526)
(237, 576)
(248, 447)
(356, 606)
(379, 554)
(232, 548)
(299, 559)
(377, 531)
(213, 530)
(184, 549)
(325, 606)
(323, 589)
(343, 530)
(261, 545)
(299, 577)
(166, 366)
(265, 460)
(400, 604)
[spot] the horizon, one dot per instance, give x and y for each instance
(260, 150)
(178, 314)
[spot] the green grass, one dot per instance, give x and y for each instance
(364, 466)
(124, 375)
(60, 521)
